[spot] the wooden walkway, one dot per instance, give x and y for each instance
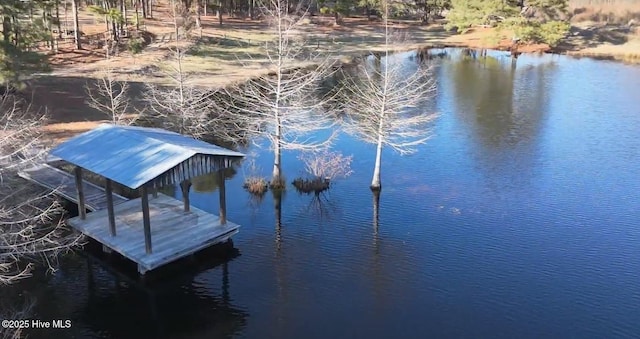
(174, 233)
(64, 185)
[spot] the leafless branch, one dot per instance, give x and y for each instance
(284, 107)
(31, 227)
(327, 165)
(187, 109)
(383, 98)
(382, 101)
(110, 97)
(11, 312)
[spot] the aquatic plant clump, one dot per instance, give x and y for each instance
(256, 185)
(315, 185)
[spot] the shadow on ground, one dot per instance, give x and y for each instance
(580, 38)
(65, 98)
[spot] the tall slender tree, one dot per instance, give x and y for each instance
(284, 107)
(76, 24)
(382, 101)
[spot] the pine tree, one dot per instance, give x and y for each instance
(20, 36)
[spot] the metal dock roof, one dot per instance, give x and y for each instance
(134, 156)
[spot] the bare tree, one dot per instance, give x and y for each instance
(110, 97)
(183, 107)
(31, 226)
(284, 107)
(76, 24)
(381, 99)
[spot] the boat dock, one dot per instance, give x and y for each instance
(175, 233)
(152, 230)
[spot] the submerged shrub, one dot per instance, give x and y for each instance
(327, 165)
(316, 185)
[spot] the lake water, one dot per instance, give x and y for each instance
(519, 219)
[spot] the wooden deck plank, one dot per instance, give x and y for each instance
(64, 185)
(174, 233)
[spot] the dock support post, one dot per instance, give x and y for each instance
(146, 219)
(82, 211)
(223, 201)
(154, 190)
(186, 185)
(112, 217)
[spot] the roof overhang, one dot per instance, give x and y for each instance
(135, 156)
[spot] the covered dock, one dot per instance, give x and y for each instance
(154, 229)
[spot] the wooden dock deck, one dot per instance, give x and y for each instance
(174, 232)
(64, 184)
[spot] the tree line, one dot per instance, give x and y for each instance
(29, 24)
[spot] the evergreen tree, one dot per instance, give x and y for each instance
(531, 20)
(21, 34)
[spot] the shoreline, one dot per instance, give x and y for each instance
(69, 119)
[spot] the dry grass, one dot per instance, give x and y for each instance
(628, 52)
(256, 185)
(221, 55)
(610, 11)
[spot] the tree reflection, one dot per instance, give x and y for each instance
(501, 103)
(163, 306)
(376, 215)
(321, 207)
(209, 182)
(277, 207)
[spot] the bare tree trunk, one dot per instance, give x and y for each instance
(17, 37)
(105, 5)
(252, 14)
(277, 168)
(6, 28)
(150, 3)
(375, 181)
(114, 34)
(137, 16)
(57, 4)
(66, 21)
(179, 60)
(219, 12)
(125, 22)
(76, 24)
(144, 8)
(198, 13)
